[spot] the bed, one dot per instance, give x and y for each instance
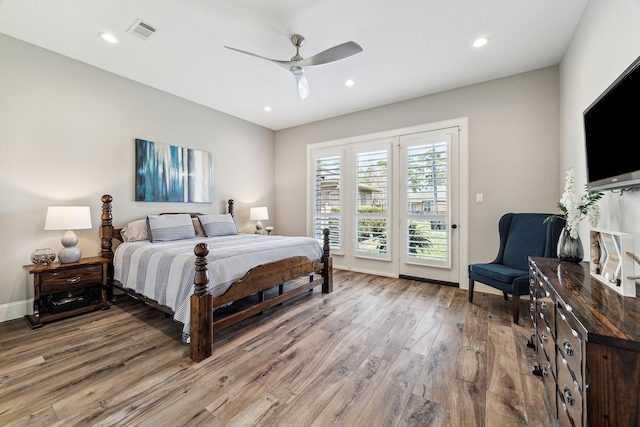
(191, 278)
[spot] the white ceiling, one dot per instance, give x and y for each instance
(411, 47)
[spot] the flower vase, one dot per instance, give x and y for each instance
(570, 249)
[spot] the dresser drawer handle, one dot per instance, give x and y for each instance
(74, 279)
(567, 395)
(543, 305)
(544, 338)
(567, 347)
(545, 372)
(532, 307)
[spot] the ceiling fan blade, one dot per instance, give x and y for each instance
(333, 54)
(303, 85)
(275, 61)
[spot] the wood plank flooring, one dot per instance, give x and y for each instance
(376, 352)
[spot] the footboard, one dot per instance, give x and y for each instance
(256, 281)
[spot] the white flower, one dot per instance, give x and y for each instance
(574, 208)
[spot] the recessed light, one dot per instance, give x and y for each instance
(349, 82)
(267, 108)
(108, 37)
(481, 41)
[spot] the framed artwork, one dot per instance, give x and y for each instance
(167, 173)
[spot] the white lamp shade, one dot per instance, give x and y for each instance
(68, 218)
(257, 214)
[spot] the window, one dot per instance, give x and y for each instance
(328, 199)
(372, 202)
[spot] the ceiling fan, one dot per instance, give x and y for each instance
(297, 64)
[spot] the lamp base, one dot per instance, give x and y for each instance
(70, 253)
(258, 227)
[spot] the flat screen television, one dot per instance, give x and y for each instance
(612, 134)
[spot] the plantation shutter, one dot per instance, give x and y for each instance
(427, 195)
(328, 199)
(372, 226)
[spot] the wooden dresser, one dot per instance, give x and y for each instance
(587, 342)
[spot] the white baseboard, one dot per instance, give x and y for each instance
(15, 310)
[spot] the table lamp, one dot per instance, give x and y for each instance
(258, 214)
(68, 218)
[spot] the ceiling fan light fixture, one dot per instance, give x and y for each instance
(298, 64)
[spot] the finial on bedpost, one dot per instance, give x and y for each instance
(326, 249)
(201, 278)
(201, 324)
(230, 205)
(327, 271)
(106, 227)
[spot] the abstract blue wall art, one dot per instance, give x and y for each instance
(166, 173)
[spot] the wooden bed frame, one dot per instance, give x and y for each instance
(256, 281)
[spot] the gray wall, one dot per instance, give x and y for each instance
(513, 150)
(606, 42)
(67, 133)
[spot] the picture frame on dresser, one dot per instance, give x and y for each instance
(609, 260)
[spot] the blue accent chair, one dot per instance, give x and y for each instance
(521, 235)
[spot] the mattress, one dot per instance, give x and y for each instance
(164, 271)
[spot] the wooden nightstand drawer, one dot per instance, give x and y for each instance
(56, 281)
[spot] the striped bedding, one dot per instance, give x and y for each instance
(163, 271)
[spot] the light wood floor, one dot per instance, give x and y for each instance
(375, 352)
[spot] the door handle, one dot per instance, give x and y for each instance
(454, 225)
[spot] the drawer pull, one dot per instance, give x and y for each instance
(567, 347)
(567, 395)
(543, 305)
(543, 338)
(532, 307)
(545, 372)
(74, 279)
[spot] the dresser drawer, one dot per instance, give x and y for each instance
(70, 278)
(564, 420)
(569, 392)
(547, 370)
(546, 307)
(570, 342)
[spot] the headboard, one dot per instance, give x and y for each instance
(107, 232)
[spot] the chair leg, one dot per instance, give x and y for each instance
(471, 283)
(516, 308)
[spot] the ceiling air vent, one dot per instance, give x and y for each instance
(142, 29)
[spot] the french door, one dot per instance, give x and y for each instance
(391, 203)
(428, 212)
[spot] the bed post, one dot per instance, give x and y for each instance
(230, 207)
(327, 271)
(201, 308)
(106, 234)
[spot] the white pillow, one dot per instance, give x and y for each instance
(218, 225)
(135, 231)
(164, 228)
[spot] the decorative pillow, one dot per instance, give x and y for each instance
(218, 225)
(134, 231)
(197, 227)
(164, 228)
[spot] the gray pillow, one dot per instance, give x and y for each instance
(218, 225)
(164, 228)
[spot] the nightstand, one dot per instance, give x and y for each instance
(63, 290)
